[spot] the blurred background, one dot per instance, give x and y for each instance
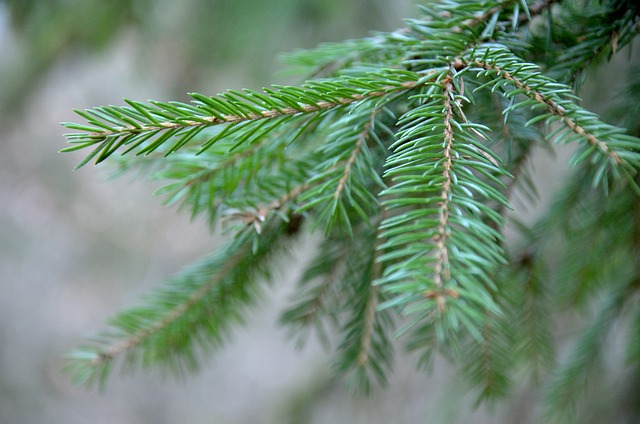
(76, 246)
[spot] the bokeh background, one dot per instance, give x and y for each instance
(77, 246)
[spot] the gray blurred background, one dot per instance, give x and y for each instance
(74, 247)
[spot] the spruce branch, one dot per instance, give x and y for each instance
(552, 107)
(391, 48)
(442, 272)
(611, 150)
(369, 315)
(366, 351)
(175, 313)
(346, 181)
(488, 13)
(147, 127)
(586, 36)
(195, 310)
(488, 362)
(316, 296)
(430, 216)
(532, 310)
(357, 148)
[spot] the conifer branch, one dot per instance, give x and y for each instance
(433, 151)
(583, 361)
(595, 34)
(487, 357)
(345, 182)
(352, 157)
(133, 341)
(196, 309)
(485, 15)
(369, 320)
(367, 348)
(111, 128)
(489, 369)
(371, 309)
(552, 106)
(442, 272)
(316, 295)
(533, 313)
(234, 119)
(318, 304)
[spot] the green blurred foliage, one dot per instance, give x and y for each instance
(202, 36)
(61, 24)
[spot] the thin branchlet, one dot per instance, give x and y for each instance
(284, 199)
(256, 217)
(321, 299)
(442, 269)
(552, 106)
(369, 321)
(249, 116)
(371, 309)
(487, 358)
(134, 340)
(354, 155)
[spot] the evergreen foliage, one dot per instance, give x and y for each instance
(404, 150)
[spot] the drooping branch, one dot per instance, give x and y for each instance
(136, 339)
(353, 156)
(442, 271)
(195, 310)
(371, 308)
(551, 105)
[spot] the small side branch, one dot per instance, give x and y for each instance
(179, 310)
(248, 116)
(354, 155)
(553, 107)
(371, 308)
(256, 217)
(369, 321)
(230, 162)
(442, 271)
